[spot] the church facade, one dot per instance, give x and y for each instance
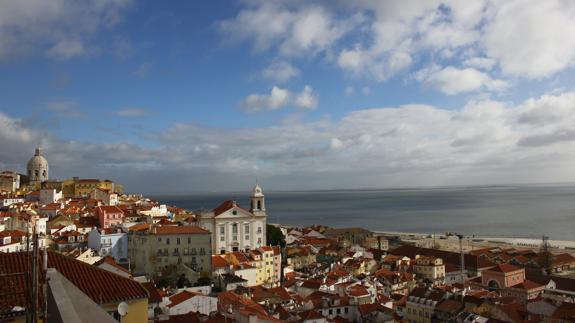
(234, 228)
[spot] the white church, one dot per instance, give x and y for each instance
(234, 228)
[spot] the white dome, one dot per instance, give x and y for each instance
(38, 167)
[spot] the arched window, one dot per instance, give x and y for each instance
(259, 204)
(493, 285)
(36, 173)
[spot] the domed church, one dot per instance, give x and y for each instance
(37, 168)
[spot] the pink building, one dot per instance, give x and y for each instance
(502, 276)
(109, 216)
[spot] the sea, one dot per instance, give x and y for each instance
(517, 211)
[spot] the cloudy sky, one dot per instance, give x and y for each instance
(188, 96)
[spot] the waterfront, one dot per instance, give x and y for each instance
(510, 211)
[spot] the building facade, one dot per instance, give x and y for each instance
(235, 228)
(151, 251)
(109, 242)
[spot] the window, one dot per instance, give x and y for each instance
(202, 251)
(345, 310)
(259, 230)
(177, 240)
(222, 229)
(222, 238)
(235, 228)
(246, 228)
(189, 240)
(167, 240)
(193, 260)
(159, 239)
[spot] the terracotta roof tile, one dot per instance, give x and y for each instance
(100, 285)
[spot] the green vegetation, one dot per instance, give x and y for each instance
(274, 236)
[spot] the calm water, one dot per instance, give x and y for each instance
(511, 211)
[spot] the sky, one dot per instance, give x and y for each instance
(210, 96)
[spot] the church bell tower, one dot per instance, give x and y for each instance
(258, 203)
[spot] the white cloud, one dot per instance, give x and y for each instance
(451, 80)
(280, 71)
(132, 112)
(379, 40)
(349, 90)
(307, 99)
(483, 63)
(57, 28)
(279, 98)
(294, 31)
(66, 49)
(531, 38)
(484, 142)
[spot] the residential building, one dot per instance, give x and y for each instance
(109, 216)
(49, 195)
(9, 181)
(107, 197)
(186, 301)
(159, 247)
(430, 268)
(109, 242)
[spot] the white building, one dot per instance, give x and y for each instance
(5, 202)
(109, 242)
(234, 228)
(187, 301)
(49, 196)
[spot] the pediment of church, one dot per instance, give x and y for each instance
(235, 212)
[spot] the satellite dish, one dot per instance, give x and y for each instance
(123, 308)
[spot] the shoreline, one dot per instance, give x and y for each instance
(480, 239)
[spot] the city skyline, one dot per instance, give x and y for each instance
(189, 97)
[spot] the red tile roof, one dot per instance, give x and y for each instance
(155, 296)
(226, 205)
(186, 229)
(181, 297)
(100, 285)
(505, 268)
(219, 262)
(110, 209)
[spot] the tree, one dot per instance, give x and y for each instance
(545, 257)
(274, 236)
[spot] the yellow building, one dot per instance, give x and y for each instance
(264, 259)
(78, 187)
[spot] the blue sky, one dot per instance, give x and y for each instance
(185, 96)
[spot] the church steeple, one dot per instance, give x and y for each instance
(258, 203)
